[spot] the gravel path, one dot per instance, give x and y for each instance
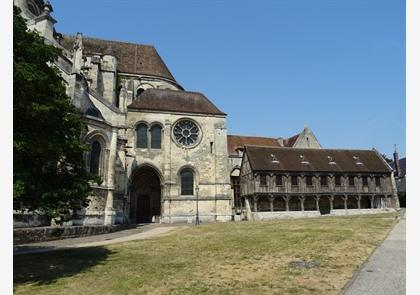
(384, 272)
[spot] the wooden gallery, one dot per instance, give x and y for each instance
(281, 182)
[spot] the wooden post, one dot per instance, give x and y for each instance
(286, 200)
(345, 201)
(271, 198)
(302, 202)
(255, 203)
(331, 203)
(317, 202)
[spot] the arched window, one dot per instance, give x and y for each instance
(139, 91)
(95, 157)
(187, 182)
(156, 135)
(141, 134)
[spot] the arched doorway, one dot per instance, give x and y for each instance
(145, 195)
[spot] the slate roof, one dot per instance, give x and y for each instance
(290, 142)
(132, 58)
(238, 141)
(318, 160)
(174, 101)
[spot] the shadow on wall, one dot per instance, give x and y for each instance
(47, 268)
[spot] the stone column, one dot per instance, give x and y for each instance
(302, 202)
(255, 203)
(371, 201)
(317, 198)
(345, 197)
(331, 203)
(109, 207)
(271, 198)
(286, 200)
(358, 197)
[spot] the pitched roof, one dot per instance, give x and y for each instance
(132, 58)
(174, 101)
(290, 142)
(239, 141)
(317, 160)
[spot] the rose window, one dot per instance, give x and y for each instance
(186, 132)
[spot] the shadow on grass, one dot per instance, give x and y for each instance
(47, 268)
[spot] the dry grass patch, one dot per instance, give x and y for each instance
(230, 258)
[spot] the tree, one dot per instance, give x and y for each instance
(49, 173)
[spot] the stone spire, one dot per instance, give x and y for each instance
(397, 162)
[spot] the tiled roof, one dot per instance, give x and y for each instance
(132, 58)
(238, 141)
(315, 160)
(174, 101)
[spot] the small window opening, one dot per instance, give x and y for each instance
(139, 91)
(377, 180)
(338, 180)
(263, 180)
(324, 181)
(365, 180)
(351, 180)
(279, 180)
(294, 180)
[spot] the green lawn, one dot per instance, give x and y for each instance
(223, 258)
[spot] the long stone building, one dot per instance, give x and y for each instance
(159, 149)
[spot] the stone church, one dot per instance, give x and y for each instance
(162, 151)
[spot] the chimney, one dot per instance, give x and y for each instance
(397, 163)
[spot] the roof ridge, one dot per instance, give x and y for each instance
(109, 40)
(305, 149)
(253, 136)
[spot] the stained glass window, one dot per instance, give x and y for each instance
(156, 135)
(95, 156)
(187, 182)
(141, 132)
(186, 132)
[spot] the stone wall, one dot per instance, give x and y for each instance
(208, 160)
(303, 214)
(49, 233)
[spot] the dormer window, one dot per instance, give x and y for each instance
(331, 161)
(274, 159)
(357, 159)
(303, 160)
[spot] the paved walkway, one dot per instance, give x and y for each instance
(384, 272)
(138, 233)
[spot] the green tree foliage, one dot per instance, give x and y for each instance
(49, 173)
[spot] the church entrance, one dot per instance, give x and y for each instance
(145, 196)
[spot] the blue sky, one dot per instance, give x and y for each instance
(274, 66)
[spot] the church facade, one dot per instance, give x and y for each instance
(162, 152)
